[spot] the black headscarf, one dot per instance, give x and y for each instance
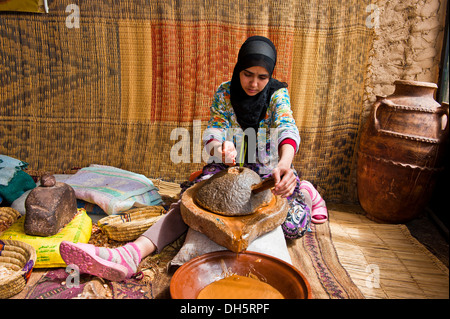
(250, 110)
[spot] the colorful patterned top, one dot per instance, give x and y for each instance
(278, 125)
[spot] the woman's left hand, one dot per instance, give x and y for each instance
(285, 181)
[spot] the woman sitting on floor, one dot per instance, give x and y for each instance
(252, 100)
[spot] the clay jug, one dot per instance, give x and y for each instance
(401, 152)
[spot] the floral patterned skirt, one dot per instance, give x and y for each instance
(298, 218)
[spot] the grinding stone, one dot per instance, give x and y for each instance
(232, 232)
(49, 207)
(229, 192)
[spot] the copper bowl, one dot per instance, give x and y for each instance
(193, 276)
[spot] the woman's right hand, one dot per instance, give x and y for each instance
(228, 152)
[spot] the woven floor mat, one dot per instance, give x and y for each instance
(384, 260)
(315, 256)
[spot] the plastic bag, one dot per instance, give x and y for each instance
(47, 248)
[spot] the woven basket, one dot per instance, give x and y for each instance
(8, 216)
(18, 259)
(130, 225)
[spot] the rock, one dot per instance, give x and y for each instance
(233, 232)
(414, 69)
(229, 192)
(431, 36)
(49, 207)
(417, 43)
(402, 6)
(426, 54)
(427, 64)
(48, 180)
(431, 9)
(426, 25)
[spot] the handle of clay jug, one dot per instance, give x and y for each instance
(377, 103)
(443, 112)
(376, 122)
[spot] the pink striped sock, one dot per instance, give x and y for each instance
(128, 255)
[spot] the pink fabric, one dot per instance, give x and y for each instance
(319, 214)
(289, 141)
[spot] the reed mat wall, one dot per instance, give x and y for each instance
(111, 91)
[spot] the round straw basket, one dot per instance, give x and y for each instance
(131, 224)
(8, 216)
(17, 260)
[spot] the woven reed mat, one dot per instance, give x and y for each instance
(368, 251)
(113, 90)
(315, 256)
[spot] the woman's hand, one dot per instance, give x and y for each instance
(225, 151)
(285, 181)
(228, 152)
